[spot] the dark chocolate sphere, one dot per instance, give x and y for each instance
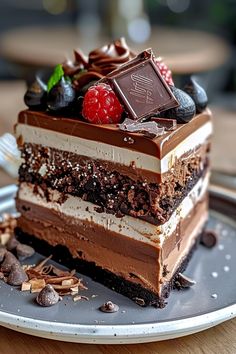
(186, 109)
(36, 95)
(61, 96)
(197, 93)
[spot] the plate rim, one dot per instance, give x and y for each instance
(119, 333)
(123, 333)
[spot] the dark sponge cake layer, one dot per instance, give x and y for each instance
(133, 291)
(111, 190)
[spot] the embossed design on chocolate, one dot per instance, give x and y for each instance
(141, 88)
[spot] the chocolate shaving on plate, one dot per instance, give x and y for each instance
(182, 281)
(46, 279)
(65, 282)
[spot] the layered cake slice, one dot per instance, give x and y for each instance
(117, 176)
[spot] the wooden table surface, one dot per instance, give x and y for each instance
(220, 339)
(184, 50)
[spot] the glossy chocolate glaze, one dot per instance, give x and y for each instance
(110, 134)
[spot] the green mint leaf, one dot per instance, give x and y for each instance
(56, 76)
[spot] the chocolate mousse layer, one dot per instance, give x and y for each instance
(150, 266)
(111, 186)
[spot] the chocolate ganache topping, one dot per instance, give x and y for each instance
(109, 57)
(101, 61)
(112, 84)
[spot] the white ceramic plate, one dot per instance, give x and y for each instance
(211, 301)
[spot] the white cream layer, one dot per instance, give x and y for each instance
(127, 225)
(107, 152)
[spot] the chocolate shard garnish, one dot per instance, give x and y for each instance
(209, 238)
(17, 275)
(148, 129)
(182, 281)
(24, 251)
(141, 88)
(167, 123)
(48, 296)
(109, 307)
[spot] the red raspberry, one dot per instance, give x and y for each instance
(165, 72)
(101, 106)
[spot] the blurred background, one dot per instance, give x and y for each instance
(193, 37)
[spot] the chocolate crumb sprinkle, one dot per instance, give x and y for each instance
(165, 271)
(139, 301)
(109, 307)
(209, 238)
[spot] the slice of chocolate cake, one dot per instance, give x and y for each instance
(127, 200)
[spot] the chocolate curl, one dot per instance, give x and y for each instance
(80, 58)
(110, 56)
(148, 129)
(99, 63)
(71, 69)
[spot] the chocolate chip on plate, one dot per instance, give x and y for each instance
(209, 238)
(2, 253)
(17, 275)
(48, 296)
(109, 307)
(9, 260)
(182, 281)
(12, 243)
(24, 251)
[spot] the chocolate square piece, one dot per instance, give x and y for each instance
(141, 88)
(167, 123)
